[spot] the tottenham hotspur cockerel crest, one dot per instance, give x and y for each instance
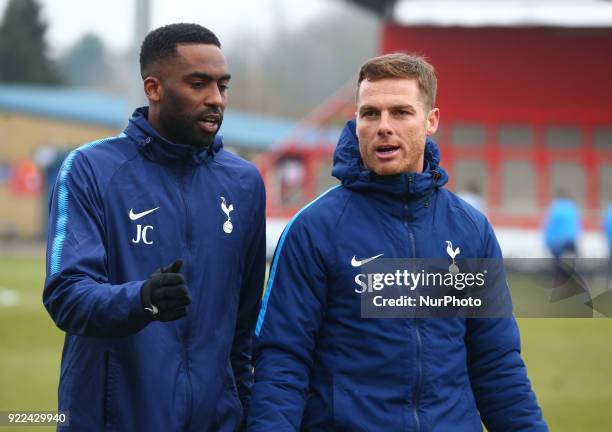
(227, 225)
(453, 268)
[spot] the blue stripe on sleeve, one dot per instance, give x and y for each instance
(63, 194)
(264, 303)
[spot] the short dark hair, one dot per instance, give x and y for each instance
(400, 65)
(161, 43)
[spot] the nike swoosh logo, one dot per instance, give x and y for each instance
(358, 263)
(136, 216)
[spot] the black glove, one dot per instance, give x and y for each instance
(165, 295)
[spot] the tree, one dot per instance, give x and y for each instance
(23, 51)
(299, 68)
(86, 62)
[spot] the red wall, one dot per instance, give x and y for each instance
(538, 74)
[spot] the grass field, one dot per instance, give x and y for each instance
(30, 344)
(569, 360)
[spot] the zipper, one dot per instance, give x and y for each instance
(188, 233)
(108, 411)
(410, 184)
(417, 389)
(188, 241)
(418, 344)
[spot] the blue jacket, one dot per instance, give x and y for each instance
(607, 224)
(119, 370)
(320, 367)
(562, 226)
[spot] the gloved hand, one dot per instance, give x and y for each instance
(165, 295)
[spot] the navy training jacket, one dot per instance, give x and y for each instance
(320, 367)
(123, 207)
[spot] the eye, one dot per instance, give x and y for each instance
(369, 113)
(198, 84)
(223, 87)
(402, 113)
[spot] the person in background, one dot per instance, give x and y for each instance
(562, 226)
(166, 349)
(607, 227)
(473, 196)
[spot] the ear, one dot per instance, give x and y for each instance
(433, 118)
(153, 88)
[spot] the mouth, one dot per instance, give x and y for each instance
(386, 152)
(209, 123)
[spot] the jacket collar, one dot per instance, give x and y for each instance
(157, 148)
(349, 169)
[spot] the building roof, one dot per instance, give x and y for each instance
(486, 13)
(240, 129)
(505, 13)
(379, 7)
(65, 103)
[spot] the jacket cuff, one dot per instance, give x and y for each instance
(138, 316)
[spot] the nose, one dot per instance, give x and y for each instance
(384, 126)
(214, 97)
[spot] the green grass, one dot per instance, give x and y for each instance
(569, 360)
(30, 344)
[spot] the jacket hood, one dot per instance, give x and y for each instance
(349, 169)
(158, 148)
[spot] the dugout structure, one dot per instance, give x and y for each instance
(525, 111)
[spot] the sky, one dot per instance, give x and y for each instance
(112, 20)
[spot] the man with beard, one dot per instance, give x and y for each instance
(166, 349)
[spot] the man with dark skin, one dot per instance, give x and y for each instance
(194, 93)
(166, 349)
